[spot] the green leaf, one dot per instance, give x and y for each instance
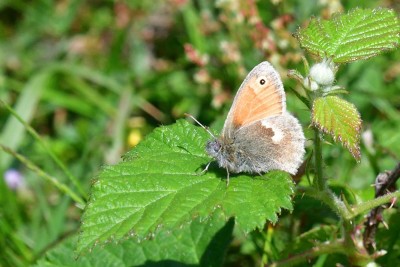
(360, 34)
(197, 244)
(157, 186)
(335, 91)
(340, 119)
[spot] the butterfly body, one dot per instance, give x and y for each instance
(259, 135)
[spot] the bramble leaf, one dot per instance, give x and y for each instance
(157, 186)
(340, 119)
(196, 244)
(359, 34)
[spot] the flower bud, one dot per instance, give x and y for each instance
(322, 73)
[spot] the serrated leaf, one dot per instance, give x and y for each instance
(340, 119)
(360, 34)
(197, 244)
(157, 186)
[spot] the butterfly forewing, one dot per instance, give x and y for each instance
(260, 96)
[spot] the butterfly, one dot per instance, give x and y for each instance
(259, 135)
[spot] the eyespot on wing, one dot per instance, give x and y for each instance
(261, 95)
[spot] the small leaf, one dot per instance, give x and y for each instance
(157, 186)
(196, 244)
(360, 34)
(340, 119)
(335, 90)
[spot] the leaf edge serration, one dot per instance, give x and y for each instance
(355, 150)
(275, 208)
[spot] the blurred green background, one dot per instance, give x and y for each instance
(94, 77)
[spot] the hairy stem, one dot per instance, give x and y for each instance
(338, 206)
(368, 205)
(327, 197)
(319, 181)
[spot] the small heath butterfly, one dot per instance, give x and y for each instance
(259, 135)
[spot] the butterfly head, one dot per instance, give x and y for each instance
(214, 148)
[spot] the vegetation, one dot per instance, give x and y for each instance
(83, 83)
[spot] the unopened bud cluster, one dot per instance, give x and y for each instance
(322, 76)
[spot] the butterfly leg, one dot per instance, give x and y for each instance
(227, 177)
(205, 169)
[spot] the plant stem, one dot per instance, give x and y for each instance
(327, 197)
(338, 206)
(319, 181)
(322, 191)
(368, 205)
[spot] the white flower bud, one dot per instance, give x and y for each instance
(322, 73)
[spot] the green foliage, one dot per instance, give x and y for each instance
(13, 132)
(388, 239)
(359, 34)
(313, 238)
(340, 119)
(193, 244)
(90, 79)
(157, 187)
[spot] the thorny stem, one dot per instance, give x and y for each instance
(346, 213)
(339, 207)
(384, 183)
(321, 192)
(327, 197)
(368, 205)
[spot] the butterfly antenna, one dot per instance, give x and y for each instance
(201, 125)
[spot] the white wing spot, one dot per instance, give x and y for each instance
(278, 133)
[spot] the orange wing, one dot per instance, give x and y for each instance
(261, 95)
